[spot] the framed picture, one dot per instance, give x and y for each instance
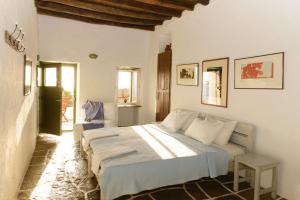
(259, 72)
(215, 82)
(27, 75)
(187, 74)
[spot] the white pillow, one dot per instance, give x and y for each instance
(204, 131)
(192, 116)
(175, 120)
(226, 132)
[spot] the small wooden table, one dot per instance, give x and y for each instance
(257, 164)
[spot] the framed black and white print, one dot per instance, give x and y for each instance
(187, 74)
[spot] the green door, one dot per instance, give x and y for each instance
(50, 97)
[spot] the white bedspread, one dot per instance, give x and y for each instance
(163, 158)
(104, 152)
(89, 135)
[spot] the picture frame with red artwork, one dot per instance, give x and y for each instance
(260, 72)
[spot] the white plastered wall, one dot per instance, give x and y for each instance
(18, 123)
(72, 41)
(235, 29)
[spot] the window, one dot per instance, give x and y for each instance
(128, 86)
(50, 77)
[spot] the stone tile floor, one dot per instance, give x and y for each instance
(57, 171)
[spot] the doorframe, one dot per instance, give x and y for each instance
(58, 78)
(74, 65)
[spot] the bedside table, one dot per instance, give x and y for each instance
(257, 163)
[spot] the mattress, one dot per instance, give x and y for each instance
(78, 128)
(164, 158)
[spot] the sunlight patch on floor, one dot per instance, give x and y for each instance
(50, 173)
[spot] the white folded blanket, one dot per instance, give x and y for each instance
(104, 152)
(91, 135)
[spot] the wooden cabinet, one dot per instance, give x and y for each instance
(164, 68)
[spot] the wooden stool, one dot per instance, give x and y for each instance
(257, 164)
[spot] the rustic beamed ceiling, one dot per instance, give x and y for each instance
(139, 14)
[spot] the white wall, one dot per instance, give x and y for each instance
(240, 29)
(72, 41)
(17, 113)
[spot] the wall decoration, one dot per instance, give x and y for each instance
(215, 82)
(14, 39)
(187, 74)
(27, 75)
(259, 72)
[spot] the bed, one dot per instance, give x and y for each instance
(110, 119)
(162, 158)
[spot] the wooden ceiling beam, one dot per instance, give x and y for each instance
(203, 2)
(92, 14)
(173, 4)
(139, 6)
(139, 14)
(193, 2)
(93, 20)
(109, 9)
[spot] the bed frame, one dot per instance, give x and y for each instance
(243, 134)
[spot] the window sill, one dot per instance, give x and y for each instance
(129, 105)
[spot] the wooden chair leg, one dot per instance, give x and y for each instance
(257, 184)
(274, 182)
(64, 115)
(236, 175)
(252, 173)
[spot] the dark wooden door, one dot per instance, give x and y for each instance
(50, 97)
(164, 68)
(50, 101)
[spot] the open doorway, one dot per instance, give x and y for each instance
(57, 97)
(68, 83)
